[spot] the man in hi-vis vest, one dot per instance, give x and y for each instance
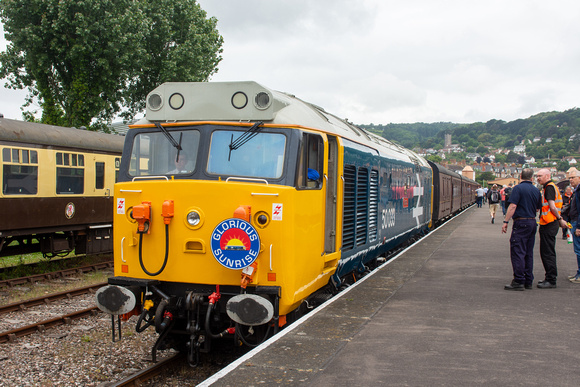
(550, 222)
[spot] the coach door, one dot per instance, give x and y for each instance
(331, 196)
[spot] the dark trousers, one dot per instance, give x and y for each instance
(522, 242)
(548, 234)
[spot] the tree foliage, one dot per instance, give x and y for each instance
(93, 59)
(563, 128)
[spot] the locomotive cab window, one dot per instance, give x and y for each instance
(19, 172)
(154, 154)
(310, 162)
(262, 156)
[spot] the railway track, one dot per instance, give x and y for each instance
(55, 274)
(43, 325)
(22, 305)
(138, 378)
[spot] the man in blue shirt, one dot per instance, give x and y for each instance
(574, 216)
(524, 202)
(480, 192)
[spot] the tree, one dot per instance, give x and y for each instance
(500, 158)
(484, 176)
(93, 59)
(481, 150)
(512, 157)
(434, 158)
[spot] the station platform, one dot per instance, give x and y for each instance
(437, 314)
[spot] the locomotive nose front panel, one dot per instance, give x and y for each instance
(206, 240)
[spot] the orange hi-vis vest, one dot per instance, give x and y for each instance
(546, 216)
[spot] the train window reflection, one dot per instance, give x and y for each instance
(99, 175)
(20, 180)
(70, 180)
(260, 157)
(17, 178)
(154, 155)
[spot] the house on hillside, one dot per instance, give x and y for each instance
(520, 149)
(571, 160)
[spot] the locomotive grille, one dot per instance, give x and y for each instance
(373, 205)
(362, 206)
(349, 207)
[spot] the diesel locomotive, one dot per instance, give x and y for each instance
(239, 207)
(57, 189)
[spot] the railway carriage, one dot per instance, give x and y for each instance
(57, 186)
(239, 206)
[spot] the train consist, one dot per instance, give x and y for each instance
(239, 207)
(57, 186)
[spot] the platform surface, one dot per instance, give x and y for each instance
(437, 315)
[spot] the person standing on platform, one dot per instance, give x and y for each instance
(493, 196)
(566, 202)
(574, 218)
(479, 196)
(485, 195)
(502, 201)
(506, 193)
(525, 201)
(550, 222)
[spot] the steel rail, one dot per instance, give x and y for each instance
(43, 325)
(138, 378)
(45, 300)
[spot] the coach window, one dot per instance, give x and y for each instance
(117, 166)
(310, 162)
(19, 172)
(69, 179)
(99, 175)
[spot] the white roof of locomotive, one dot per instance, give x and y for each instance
(215, 101)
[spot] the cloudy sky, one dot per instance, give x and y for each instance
(385, 61)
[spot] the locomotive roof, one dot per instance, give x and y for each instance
(23, 132)
(250, 101)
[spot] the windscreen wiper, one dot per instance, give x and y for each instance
(245, 137)
(176, 144)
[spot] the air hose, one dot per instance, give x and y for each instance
(166, 253)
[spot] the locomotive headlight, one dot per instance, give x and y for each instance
(155, 101)
(262, 100)
(193, 218)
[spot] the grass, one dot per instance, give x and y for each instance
(30, 264)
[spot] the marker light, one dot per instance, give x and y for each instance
(239, 100)
(176, 101)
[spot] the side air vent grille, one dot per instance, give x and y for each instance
(362, 206)
(373, 206)
(349, 215)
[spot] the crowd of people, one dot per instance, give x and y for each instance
(521, 204)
